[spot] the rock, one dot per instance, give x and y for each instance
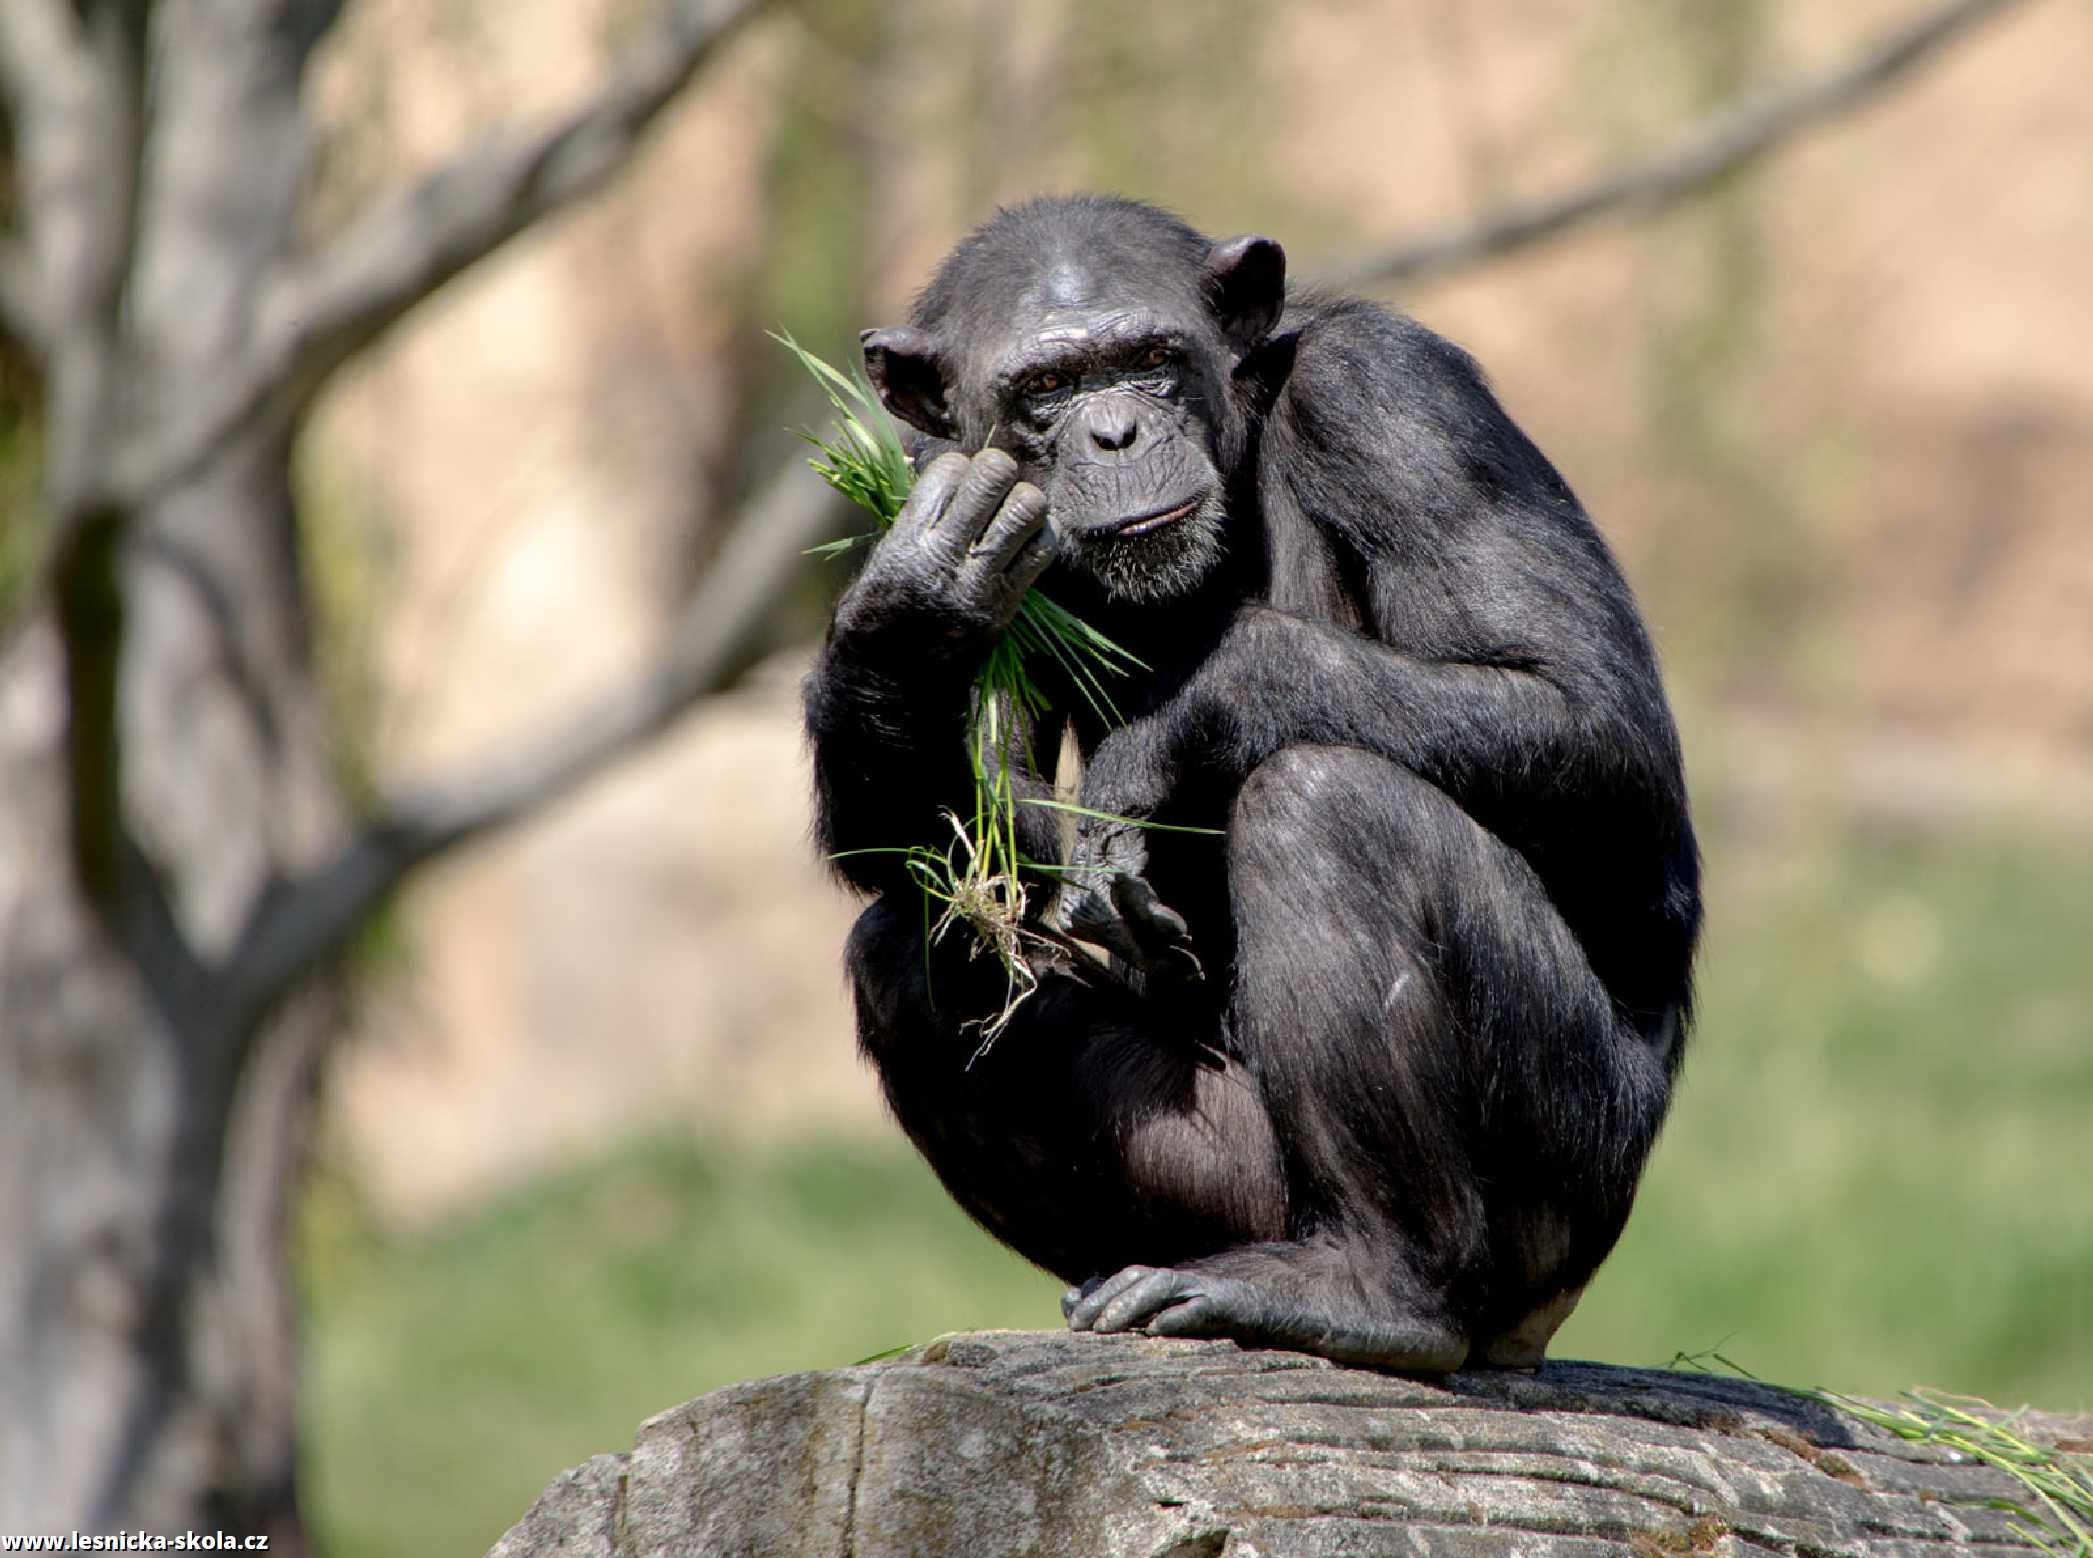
(1050, 1443)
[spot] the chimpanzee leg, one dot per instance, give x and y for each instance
(1092, 1132)
(1460, 1115)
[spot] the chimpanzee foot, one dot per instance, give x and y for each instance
(1164, 1302)
(1167, 1301)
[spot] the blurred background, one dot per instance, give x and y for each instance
(597, 1139)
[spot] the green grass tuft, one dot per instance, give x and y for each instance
(2058, 1517)
(980, 879)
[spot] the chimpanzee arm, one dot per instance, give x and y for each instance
(1498, 735)
(1543, 752)
(888, 702)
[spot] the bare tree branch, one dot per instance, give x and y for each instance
(364, 281)
(330, 306)
(304, 921)
(1726, 142)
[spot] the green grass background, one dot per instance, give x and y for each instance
(1879, 1174)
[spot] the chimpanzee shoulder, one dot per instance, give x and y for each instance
(1377, 422)
(1386, 463)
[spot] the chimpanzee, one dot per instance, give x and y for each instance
(1375, 1061)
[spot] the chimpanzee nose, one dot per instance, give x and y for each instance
(1113, 428)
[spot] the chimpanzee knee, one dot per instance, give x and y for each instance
(1335, 857)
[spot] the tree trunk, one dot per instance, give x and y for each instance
(174, 857)
(1125, 1447)
(147, 1339)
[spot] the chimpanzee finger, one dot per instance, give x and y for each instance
(1012, 552)
(1083, 1316)
(932, 494)
(1085, 914)
(1077, 1294)
(1159, 930)
(988, 480)
(1020, 518)
(1030, 560)
(1135, 1304)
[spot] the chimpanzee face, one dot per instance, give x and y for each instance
(1107, 373)
(1113, 411)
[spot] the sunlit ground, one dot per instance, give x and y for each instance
(1879, 1174)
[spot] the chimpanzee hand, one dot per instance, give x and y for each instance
(964, 549)
(1106, 897)
(1117, 909)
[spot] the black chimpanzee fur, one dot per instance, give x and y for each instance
(1375, 1073)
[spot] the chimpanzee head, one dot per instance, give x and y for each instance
(1097, 340)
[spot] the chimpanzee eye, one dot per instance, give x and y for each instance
(1044, 384)
(1156, 357)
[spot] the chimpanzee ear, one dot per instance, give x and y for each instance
(1246, 281)
(906, 368)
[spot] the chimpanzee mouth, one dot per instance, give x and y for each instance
(1151, 556)
(1147, 524)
